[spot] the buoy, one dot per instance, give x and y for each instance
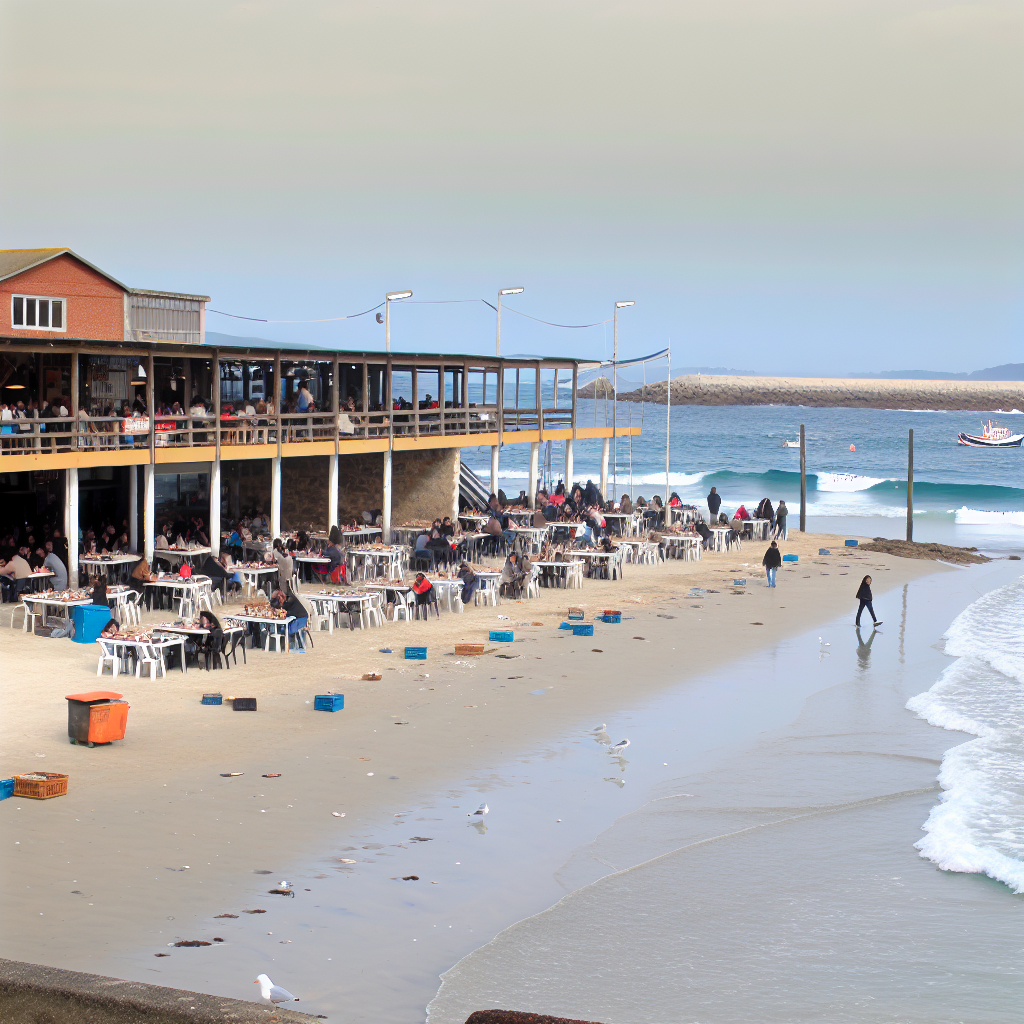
(853, 447)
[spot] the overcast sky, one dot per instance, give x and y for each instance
(812, 186)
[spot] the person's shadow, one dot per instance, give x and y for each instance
(864, 649)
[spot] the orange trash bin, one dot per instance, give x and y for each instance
(97, 717)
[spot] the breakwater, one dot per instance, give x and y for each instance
(698, 389)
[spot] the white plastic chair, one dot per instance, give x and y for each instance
(149, 655)
(375, 609)
(19, 607)
(319, 614)
(401, 609)
(533, 583)
(108, 653)
(487, 591)
(276, 636)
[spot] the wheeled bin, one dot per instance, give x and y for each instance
(97, 717)
(89, 620)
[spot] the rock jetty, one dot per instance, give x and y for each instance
(953, 395)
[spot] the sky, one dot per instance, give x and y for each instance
(782, 186)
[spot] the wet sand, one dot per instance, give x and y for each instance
(139, 811)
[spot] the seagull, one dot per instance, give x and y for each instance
(274, 993)
(600, 728)
(618, 748)
(481, 810)
(823, 642)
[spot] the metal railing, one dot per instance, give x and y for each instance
(117, 433)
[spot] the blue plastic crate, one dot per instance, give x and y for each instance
(501, 636)
(416, 653)
(611, 618)
(6, 788)
(824, 551)
(329, 702)
(739, 583)
(565, 625)
(851, 543)
(587, 630)
(791, 558)
(212, 698)
(576, 616)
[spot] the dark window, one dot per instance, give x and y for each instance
(30, 312)
(18, 312)
(44, 313)
(57, 314)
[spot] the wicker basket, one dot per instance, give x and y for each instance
(41, 788)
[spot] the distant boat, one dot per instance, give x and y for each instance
(991, 437)
(790, 444)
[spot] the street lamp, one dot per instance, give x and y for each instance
(615, 389)
(504, 291)
(388, 299)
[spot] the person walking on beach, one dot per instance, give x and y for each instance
(714, 502)
(780, 521)
(771, 562)
(864, 596)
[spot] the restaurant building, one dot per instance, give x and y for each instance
(384, 431)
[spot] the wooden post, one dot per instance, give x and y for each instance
(567, 478)
(803, 481)
(605, 447)
(76, 401)
(133, 508)
(531, 495)
(277, 400)
(910, 486)
(385, 512)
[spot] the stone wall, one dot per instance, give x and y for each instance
(424, 484)
(304, 489)
(976, 396)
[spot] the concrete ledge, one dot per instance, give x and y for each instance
(31, 994)
(517, 1017)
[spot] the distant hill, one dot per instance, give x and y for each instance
(1008, 371)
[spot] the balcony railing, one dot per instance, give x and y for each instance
(117, 433)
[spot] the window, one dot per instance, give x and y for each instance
(36, 313)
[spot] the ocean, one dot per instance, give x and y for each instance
(964, 496)
(979, 824)
(786, 879)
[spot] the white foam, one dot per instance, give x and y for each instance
(978, 825)
(978, 517)
(846, 482)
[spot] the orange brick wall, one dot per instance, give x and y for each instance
(94, 305)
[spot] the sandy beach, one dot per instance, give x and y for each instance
(139, 811)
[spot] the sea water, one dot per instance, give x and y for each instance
(978, 826)
(780, 882)
(962, 495)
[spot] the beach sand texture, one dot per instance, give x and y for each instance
(152, 842)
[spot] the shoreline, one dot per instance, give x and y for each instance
(122, 832)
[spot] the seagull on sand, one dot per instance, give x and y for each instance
(481, 810)
(618, 748)
(274, 993)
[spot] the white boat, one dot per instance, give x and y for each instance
(991, 437)
(790, 444)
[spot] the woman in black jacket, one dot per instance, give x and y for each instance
(771, 562)
(864, 596)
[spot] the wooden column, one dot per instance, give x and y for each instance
(803, 481)
(531, 494)
(605, 448)
(133, 508)
(910, 486)
(568, 465)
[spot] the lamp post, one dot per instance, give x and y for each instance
(615, 389)
(501, 292)
(388, 299)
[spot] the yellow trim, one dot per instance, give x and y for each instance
(87, 458)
